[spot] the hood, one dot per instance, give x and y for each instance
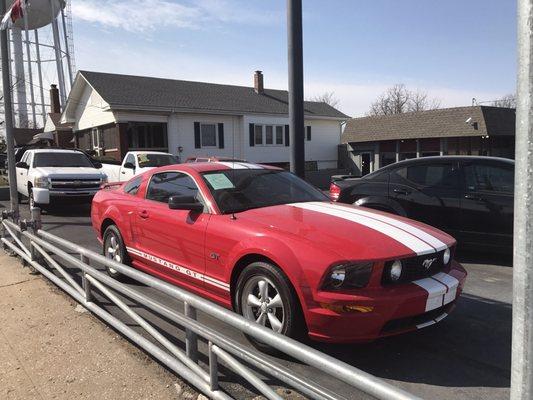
(351, 232)
(70, 172)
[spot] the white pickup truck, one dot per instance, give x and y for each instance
(45, 176)
(135, 163)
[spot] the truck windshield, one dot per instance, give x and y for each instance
(61, 160)
(156, 160)
(243, 189)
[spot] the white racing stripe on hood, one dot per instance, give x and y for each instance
(407, 239)
(426, 237)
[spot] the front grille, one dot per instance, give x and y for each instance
(402, 324)
(416, 268)
(67, 184)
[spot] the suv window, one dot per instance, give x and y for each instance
(130, 159)
(166, 184)
(132, 187)
(429, 175)
(489, 178)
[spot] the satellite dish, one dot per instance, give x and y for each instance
(39, 13)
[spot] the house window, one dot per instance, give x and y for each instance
(308, 133)
(269, 135)
(259, 135)
(279, 135)
(208, 135)
(147, 135)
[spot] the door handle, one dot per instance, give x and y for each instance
(473, 197)
(143, 214)
(401, 191)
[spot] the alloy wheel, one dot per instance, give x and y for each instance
(113, 250)
(262, 303)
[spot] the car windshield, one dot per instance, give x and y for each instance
(155, 160)
(61, 160)
(243, 189)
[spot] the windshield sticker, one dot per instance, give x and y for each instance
(219, 181)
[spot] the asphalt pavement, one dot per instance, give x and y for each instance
(465, 356)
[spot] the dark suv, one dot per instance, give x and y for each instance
(469, 197)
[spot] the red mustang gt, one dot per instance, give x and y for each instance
(265, 243)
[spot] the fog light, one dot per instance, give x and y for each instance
(346, 308)
(446, 256)
(396, 270)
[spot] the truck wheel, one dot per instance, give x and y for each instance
(265, 295)
(114, 249)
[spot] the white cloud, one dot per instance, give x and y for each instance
(149, 15)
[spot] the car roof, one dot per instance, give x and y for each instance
(148, 152)
(55, 151)
(446, 158)
(216, 166)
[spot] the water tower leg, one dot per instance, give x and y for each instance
(30, 74)
(59, 59)
(40, 72)
(67, 51)
(19, 80)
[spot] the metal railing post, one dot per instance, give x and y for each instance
(213, 368)
(191, 339)
(522, 339)
(85, 282)
(35, 225)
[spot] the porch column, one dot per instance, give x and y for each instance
(397, 150)
(417, 148)
(443, 146)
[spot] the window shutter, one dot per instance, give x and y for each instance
(221, 136)
(197, 140)
(252, 135)
(287, 135)
(308, 132)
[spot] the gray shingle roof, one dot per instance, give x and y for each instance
(445, 122)
(167, 94)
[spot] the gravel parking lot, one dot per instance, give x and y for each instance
(467, 356)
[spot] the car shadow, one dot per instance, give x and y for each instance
(471, 348)
(69, 210)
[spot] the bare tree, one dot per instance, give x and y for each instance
(507, 101)
(328, 98)
(398, 100)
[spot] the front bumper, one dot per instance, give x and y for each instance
(386, 310)
(46, 196)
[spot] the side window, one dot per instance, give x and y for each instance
(130, 159)
(489, 178)
(132, 187)
(166, 184)
(428, 175)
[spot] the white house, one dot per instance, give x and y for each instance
(112, 114)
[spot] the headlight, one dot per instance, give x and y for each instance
(347, 276)
(396, 270)
(104, 179)
(41, 182)
(392, 272)
(446, 256)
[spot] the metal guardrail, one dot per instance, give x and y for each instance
(221, 349)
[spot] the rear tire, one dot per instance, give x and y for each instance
(265, 295)
(114, 248)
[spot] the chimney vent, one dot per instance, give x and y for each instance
(55, 106)
(258, 82)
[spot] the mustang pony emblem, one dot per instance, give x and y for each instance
(428, 262)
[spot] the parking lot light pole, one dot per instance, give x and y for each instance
(8, 120)
(296, 86)
(522, 346)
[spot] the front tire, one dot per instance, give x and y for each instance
(114, 249)
(265, 295)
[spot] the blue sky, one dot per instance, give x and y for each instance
(454, 50)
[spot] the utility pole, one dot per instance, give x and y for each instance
(296, 87)
(8, 120)
(522, 346)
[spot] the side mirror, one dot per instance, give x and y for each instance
(97, 165)
(129, 165)
(184, 203)
(22, 164)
